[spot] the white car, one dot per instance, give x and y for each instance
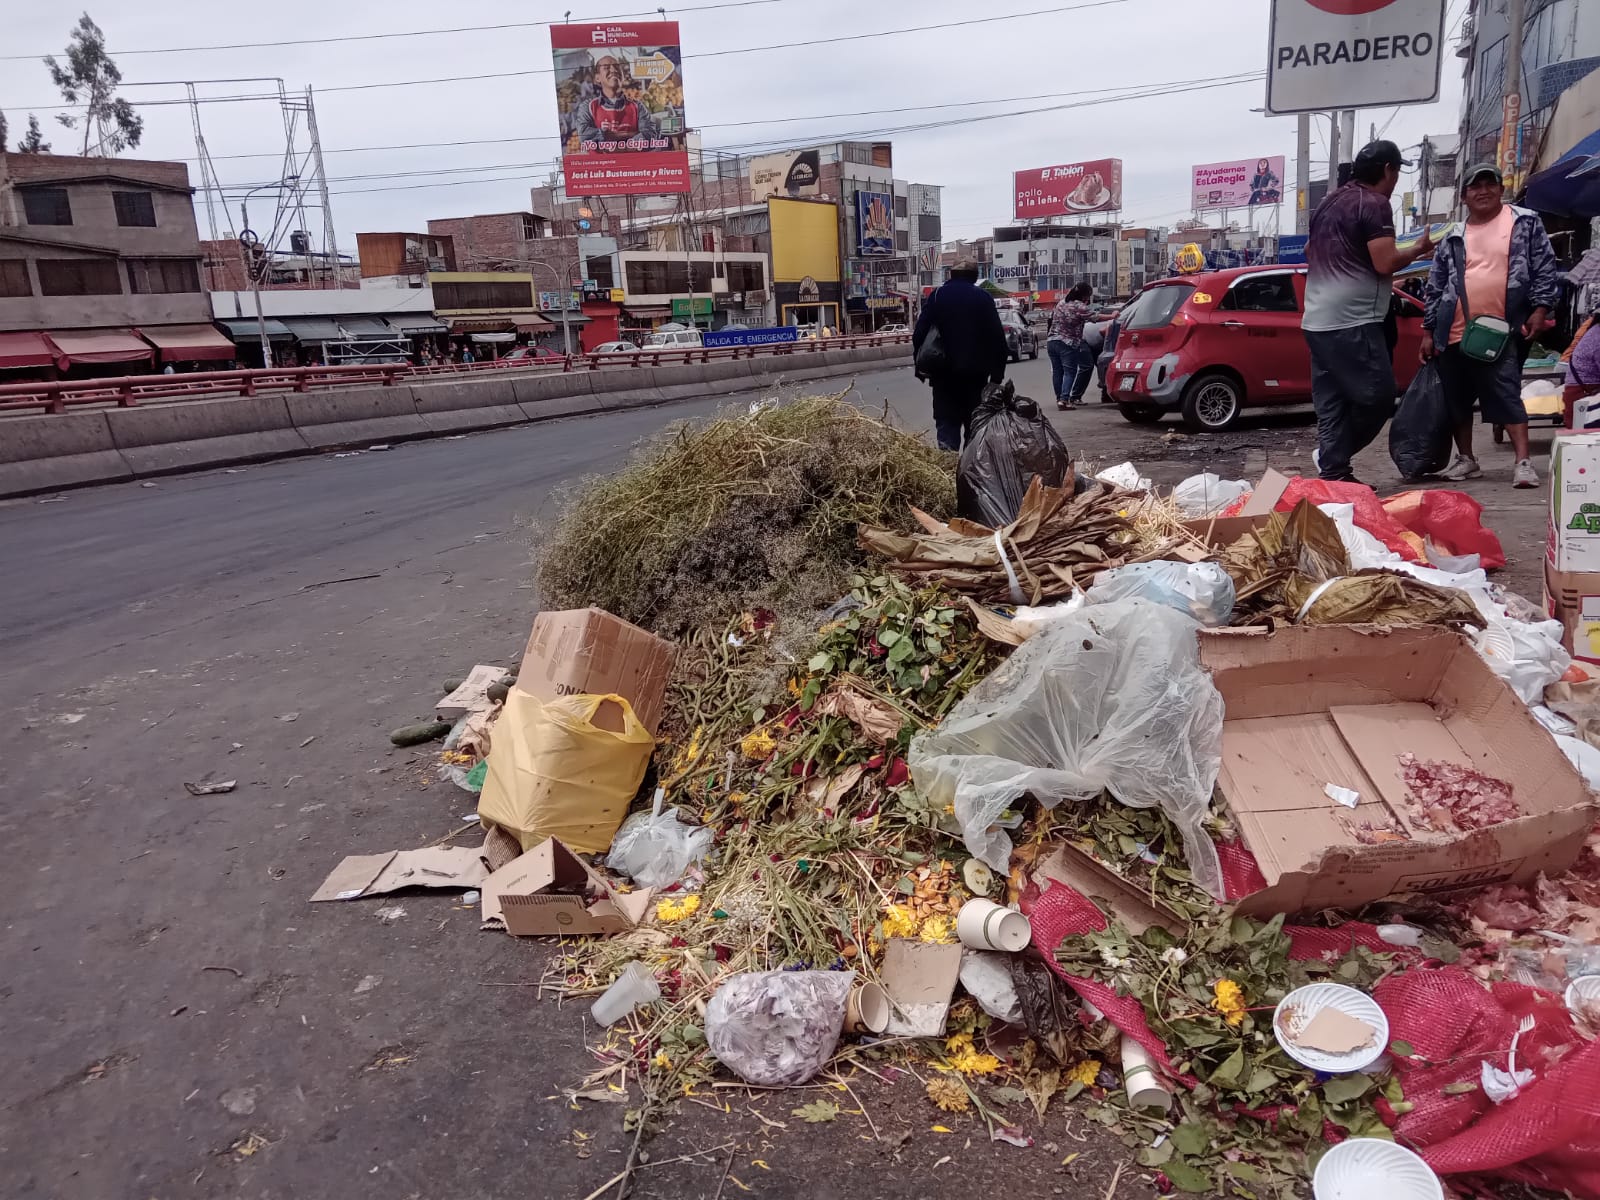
(676, 339)
(897, 327)
(615, 348)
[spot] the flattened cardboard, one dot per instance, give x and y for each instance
(471, 695)
(1224, 531)
(587, 651)
(361, 875)
(920, 978)
(1334, 1031)
(550, 892)
(1307, 706)
(1106, 890)
(1573, 598)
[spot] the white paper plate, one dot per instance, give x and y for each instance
(1585, 988)
(1362, 1168)
(1300, 1005)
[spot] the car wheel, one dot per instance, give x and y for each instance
(1140, 414)
(1033, 354)
(1212, 402)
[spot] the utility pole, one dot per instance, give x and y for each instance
(1333, 150)
(1510, 150)
(1302, 174)
(1347, 133)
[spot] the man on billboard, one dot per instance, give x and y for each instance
(608, 119)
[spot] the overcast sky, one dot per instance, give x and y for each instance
(1117, 44)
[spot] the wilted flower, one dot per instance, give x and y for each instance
(1174, 956)
(677, 910)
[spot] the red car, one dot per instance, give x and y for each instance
(533, 354)
(1214, 344)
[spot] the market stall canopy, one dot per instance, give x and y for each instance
(24, 350)
(497, 338)
(414, 326)
(529, 323)
(1569, 187)
(76, 347)
(365, 328)
(246, 329)
(481, 323)
(187, 343)
(310, 330)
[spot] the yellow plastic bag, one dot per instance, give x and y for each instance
(554, 773)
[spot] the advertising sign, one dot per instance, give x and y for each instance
(874, 223)
(1243, 183)
(1058, 191)
(619, 98)
(1326, 54)
(717, 338)
(1292, 247)
(791, 173)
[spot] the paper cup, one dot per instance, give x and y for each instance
(1295, 1011)
(867, 1010)
(1144, 1087)
(1361, 1168)
(985, 925)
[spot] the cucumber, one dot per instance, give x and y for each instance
(415, 735)
(451, 685)
(497, 692)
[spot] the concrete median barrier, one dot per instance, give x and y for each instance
(158, 438)
(45, 452)
(682, 381)
(357, 415)
(559, 394)
(456, 405)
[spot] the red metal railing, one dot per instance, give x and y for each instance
(127, 391)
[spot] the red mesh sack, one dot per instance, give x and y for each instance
(1369, 512)
(1454, 520)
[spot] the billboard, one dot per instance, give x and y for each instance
(1242, 183)
(1058, 191)
(874, 223)
(805, 260)
(1324, 54)
(619, 99)
(791, 173)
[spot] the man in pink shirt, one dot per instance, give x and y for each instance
(1500, 265)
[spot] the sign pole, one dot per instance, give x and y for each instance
(1302, 174)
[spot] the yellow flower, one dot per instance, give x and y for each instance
(686, 757)
(965, 1058)
(677, 910)
(949, 1094)
(938, 929)
(794, 687)
(661, 1060)
(898, 922)
(1228, 1000)
(1085, 1072)
(757, 744)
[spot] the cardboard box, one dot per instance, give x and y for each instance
(1573, 598)
(471, 695)
(587, 651)
(551, 892)
(1309, 706)
(1574, 542)
(457, 867)
(1224, 531)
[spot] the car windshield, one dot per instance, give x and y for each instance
(1154, 307)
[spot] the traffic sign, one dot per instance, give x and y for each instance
(1329, 54)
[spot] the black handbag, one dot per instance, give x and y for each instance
(932, 358)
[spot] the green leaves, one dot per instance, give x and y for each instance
(1401, 1049)
(1229, 1073)
(1341, 1089)
(1155, 1156)
(1191, 1139)
(817, 1112)
(1187, 1177)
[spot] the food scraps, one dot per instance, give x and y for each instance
(1450, 796)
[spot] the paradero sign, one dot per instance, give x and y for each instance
(1329, 54)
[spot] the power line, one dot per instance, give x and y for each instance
(826, 41)
(410, 33)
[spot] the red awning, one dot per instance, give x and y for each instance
(187, 343)
(25, 350)
(77, 346)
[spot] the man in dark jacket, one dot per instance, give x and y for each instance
(974, 350)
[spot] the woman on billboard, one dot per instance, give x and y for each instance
(1265, 187)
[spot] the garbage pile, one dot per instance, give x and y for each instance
(1254, 834)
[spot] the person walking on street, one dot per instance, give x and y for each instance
(1493, 284)
(1071, 360)
(970, 350)
(1350, 256)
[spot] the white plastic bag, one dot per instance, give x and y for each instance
(777, 1028)
(1203, 494)
(1203, 590)
(654, 848)
(1111, 698)
(987, 978)
(1526, 654)
(1583, 756)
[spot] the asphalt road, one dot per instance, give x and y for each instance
(179, 1022)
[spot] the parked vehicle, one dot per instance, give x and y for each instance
(533, 354)
(615, 348)
(1020, 337)
(1108, 349)
(1213, 344)
(673, 339)
(895, 327)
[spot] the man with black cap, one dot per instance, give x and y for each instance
(969, 352)
(1493, 284)
(1351, 256)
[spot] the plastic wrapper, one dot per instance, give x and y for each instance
(777, 1028)
(1419, 435)
(1125, 476)
(1451, 520)
(1204, 494)
(1203, 590)
(654, 848)
(1010, 445)
(987, 978)
(1111, 698)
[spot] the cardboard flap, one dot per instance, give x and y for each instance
(1106, 890)
(920, 978)
(472, 695)
(551, 891)
(1264, 497)
(352, 876)
(374, 874)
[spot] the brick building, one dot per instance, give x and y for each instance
(223, 269)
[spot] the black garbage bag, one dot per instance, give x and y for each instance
(1010, 444)
(1420, 434)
